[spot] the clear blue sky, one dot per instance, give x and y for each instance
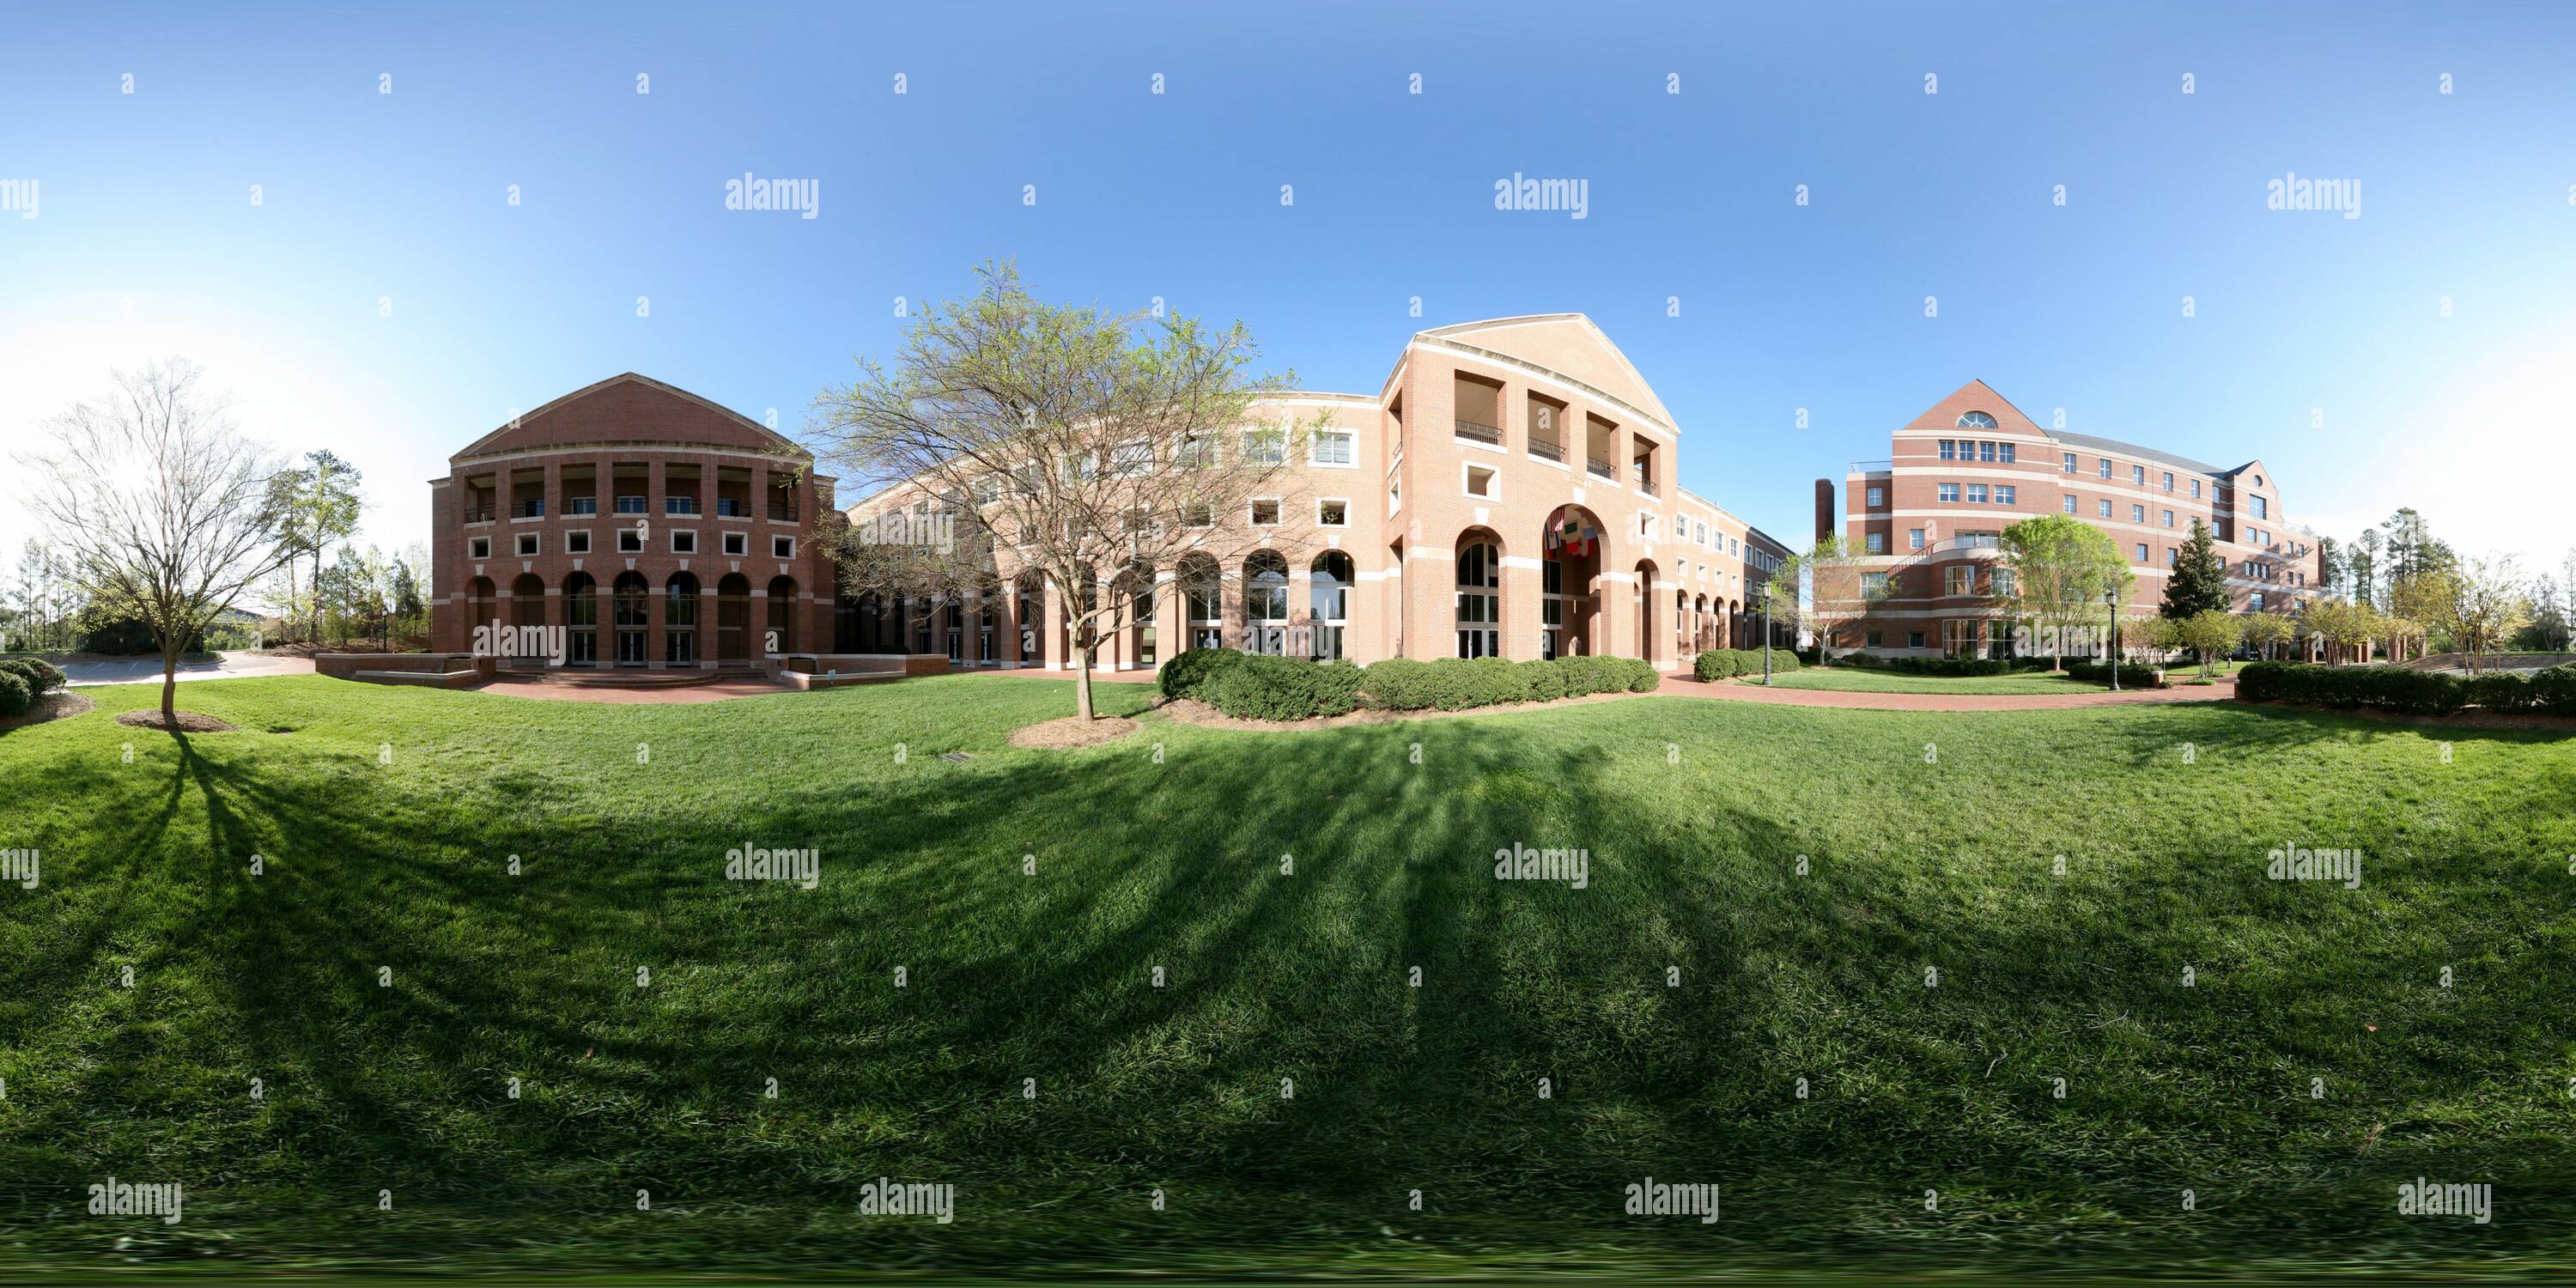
(147, 240)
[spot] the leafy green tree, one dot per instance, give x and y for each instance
(2211, 633)
(2263, 630)
(2198, 583)
(1838, 590)
(321, 505)
(2061, 568)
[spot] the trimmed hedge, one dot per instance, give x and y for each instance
(1261, 687)
(2383, 688)
(1190, 671)
(1950, 667)
(1725, 663)
(2132, 675)
(1456, 683)
(42, 677)
(15, 697)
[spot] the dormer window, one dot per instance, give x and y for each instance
(1976, 420)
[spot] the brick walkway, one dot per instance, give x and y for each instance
(1740, 691)
(637, 696)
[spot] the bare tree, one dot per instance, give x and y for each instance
(1080, 443)
(162, 506)
(1837, 590)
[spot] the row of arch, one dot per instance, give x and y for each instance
(621, 632)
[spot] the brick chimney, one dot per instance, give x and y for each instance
(1824, 509)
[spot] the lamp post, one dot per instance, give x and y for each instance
(2111, 603)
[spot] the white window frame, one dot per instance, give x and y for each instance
(774, 539)
(624, 535)
(1466, 485)
(1278, 511)
(1342, 501)
(737, 545)
(577, 541)
(1350, 439)
(691, 534)
(530, 545)
(478, 547)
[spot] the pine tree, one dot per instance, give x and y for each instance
(2199, 580)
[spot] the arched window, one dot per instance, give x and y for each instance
(1480, 600)
(1976, 420)
(1328, 604)
(1265, 603)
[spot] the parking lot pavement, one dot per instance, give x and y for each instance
(147, 670)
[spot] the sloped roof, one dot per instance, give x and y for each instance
(628, 408)
(1568, 344)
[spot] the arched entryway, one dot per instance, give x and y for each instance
(630, 593)
(581, 619)
(733, 618)
(781, 635)
(1480, 593)
(1132, 599)
(528, 616)
(1328, 605)
(1570, 550)
(1203, 598)
(1265, 603)
(680, 620)
(1643, 601)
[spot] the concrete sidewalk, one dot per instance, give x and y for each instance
(147, 670)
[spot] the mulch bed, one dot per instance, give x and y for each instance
(188, 722)
(1072, 732)
(59, 705)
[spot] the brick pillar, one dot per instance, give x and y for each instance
(1523, 588)
(1051, 639)
(1431, 578)
(656, 603)
(1171, 616)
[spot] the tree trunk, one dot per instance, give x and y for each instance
(1082, 685)
(170, 683)
(317, 594)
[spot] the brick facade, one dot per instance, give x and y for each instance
(1481, 435)
(1927, 520)
(533, 524)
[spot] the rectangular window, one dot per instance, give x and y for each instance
(2102, 507)
(1332, 514)
(684, 542)
(737, 544)
(2003, 494)
(478, 547)
(1482, 482)
(1734, 547)
(2170, 556)
(1977, 493)
(1876, 542)
(1949, 450)
(2069, 506)
(2142, 552)
(2137, 514)
(1681, 528)
(1332, 447)
(1949, 491)
(1265, 514)
(1958, 580)
(1914, 639)
(2195, 487)
(1914, 538)
(2069, 459)
(2169, 480)
(2168, 518)
(2006, 450)
(1701, 531)
(2106, 467)
(576, 543)
(1985, 451)
(527, 544)
(782, 547)
(2262, 507)
(1871, 638)
(2000, 582)
(1264, 447)
(2138, 475)
(1873, 584)
(630, 542)
(1877, 497)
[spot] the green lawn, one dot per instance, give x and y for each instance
(1853, 679)
(1929, 841)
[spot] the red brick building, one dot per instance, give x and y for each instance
(1928, 518)
(637, 525)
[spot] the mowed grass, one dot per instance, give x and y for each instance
(1767, 891)
(1852, 679)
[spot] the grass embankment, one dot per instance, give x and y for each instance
(1929, 842)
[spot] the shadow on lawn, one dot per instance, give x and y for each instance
(1268, 976)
